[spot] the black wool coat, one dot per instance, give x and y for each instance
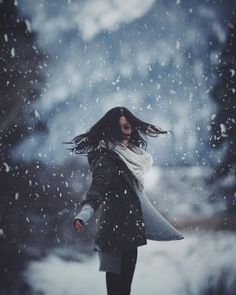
(121, 224)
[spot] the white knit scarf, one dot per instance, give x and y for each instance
(137, 160)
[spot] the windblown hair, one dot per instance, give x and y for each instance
(109, 130)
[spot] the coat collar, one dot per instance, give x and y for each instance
(103, 151)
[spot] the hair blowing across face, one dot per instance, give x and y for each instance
(109, 129)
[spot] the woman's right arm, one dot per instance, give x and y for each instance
(101, 177)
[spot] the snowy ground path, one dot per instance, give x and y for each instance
(200, 262)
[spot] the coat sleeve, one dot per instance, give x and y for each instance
(102, 175)
(85, 214)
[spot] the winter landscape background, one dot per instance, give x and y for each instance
(64, 64)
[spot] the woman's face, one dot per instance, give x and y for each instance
(125, 127)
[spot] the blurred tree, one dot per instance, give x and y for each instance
(21, 68)
(36, 198)
(223, 124)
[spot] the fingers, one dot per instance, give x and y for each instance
(78, 226)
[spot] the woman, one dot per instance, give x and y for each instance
(128, 218)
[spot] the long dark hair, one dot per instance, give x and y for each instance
(108, 129)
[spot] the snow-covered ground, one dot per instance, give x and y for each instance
(202, 261)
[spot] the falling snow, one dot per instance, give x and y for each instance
(170, 63)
